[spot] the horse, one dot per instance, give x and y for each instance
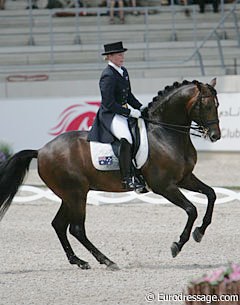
(65, 166)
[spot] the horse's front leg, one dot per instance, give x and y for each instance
(174, 195)
(192, 183)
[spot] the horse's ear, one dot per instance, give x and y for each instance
(213, 82)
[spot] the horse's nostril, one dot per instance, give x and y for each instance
(214, 136)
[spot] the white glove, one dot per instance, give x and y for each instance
(135, 113)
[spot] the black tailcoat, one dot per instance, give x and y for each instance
(115, 91)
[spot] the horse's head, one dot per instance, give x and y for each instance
(203, 109)
(178, 105)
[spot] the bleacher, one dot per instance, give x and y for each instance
(160, 41)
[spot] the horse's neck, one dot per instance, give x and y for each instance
(172, 107)
(176, 114)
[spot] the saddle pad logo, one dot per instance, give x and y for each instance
(106, 160)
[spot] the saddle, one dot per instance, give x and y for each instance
(135, 133)
(105, 155)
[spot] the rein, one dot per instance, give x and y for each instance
(176, 127)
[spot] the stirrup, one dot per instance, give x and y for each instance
(140, 185)
(128, 184)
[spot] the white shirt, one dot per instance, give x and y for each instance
(119, 69)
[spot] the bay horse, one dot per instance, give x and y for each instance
(65, 166)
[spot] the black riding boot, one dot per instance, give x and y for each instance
(125, 161)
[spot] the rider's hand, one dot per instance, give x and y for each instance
(135, 113)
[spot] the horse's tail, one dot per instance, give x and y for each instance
(12, 173)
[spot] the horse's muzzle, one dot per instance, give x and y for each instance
(214, 134)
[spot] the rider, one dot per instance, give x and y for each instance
(112, 117)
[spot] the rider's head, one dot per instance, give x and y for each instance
(115, 53)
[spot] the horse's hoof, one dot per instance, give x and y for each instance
(84, 266)
(197, 235)
(175, 249)
(113, 267)
(74, 260)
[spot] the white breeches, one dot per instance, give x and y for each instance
(119, 128)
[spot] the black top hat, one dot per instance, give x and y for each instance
(116, 47)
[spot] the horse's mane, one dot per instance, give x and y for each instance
(164, 95)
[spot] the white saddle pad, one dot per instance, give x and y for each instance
(103, 157)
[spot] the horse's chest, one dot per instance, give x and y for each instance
(189, 164)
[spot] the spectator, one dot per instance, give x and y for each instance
(64, 4)
(32, 4)
(2, 4)
(202, 3)
(133, 3)
(185, 3)
(103, 3)
(120, 12)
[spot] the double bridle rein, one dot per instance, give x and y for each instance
(178, 128)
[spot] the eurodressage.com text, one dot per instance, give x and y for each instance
(207, 298)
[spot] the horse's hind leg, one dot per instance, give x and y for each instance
(60, 223)
(77, 229)
(192, 183)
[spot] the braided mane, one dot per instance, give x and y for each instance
(165, 95)
(168, 90)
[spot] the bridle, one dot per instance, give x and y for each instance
(197, 104)
(201, 126)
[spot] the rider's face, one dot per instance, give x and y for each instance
(117, 58)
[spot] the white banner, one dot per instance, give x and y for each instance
(30, 123)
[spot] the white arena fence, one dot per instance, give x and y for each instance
(32, 194)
